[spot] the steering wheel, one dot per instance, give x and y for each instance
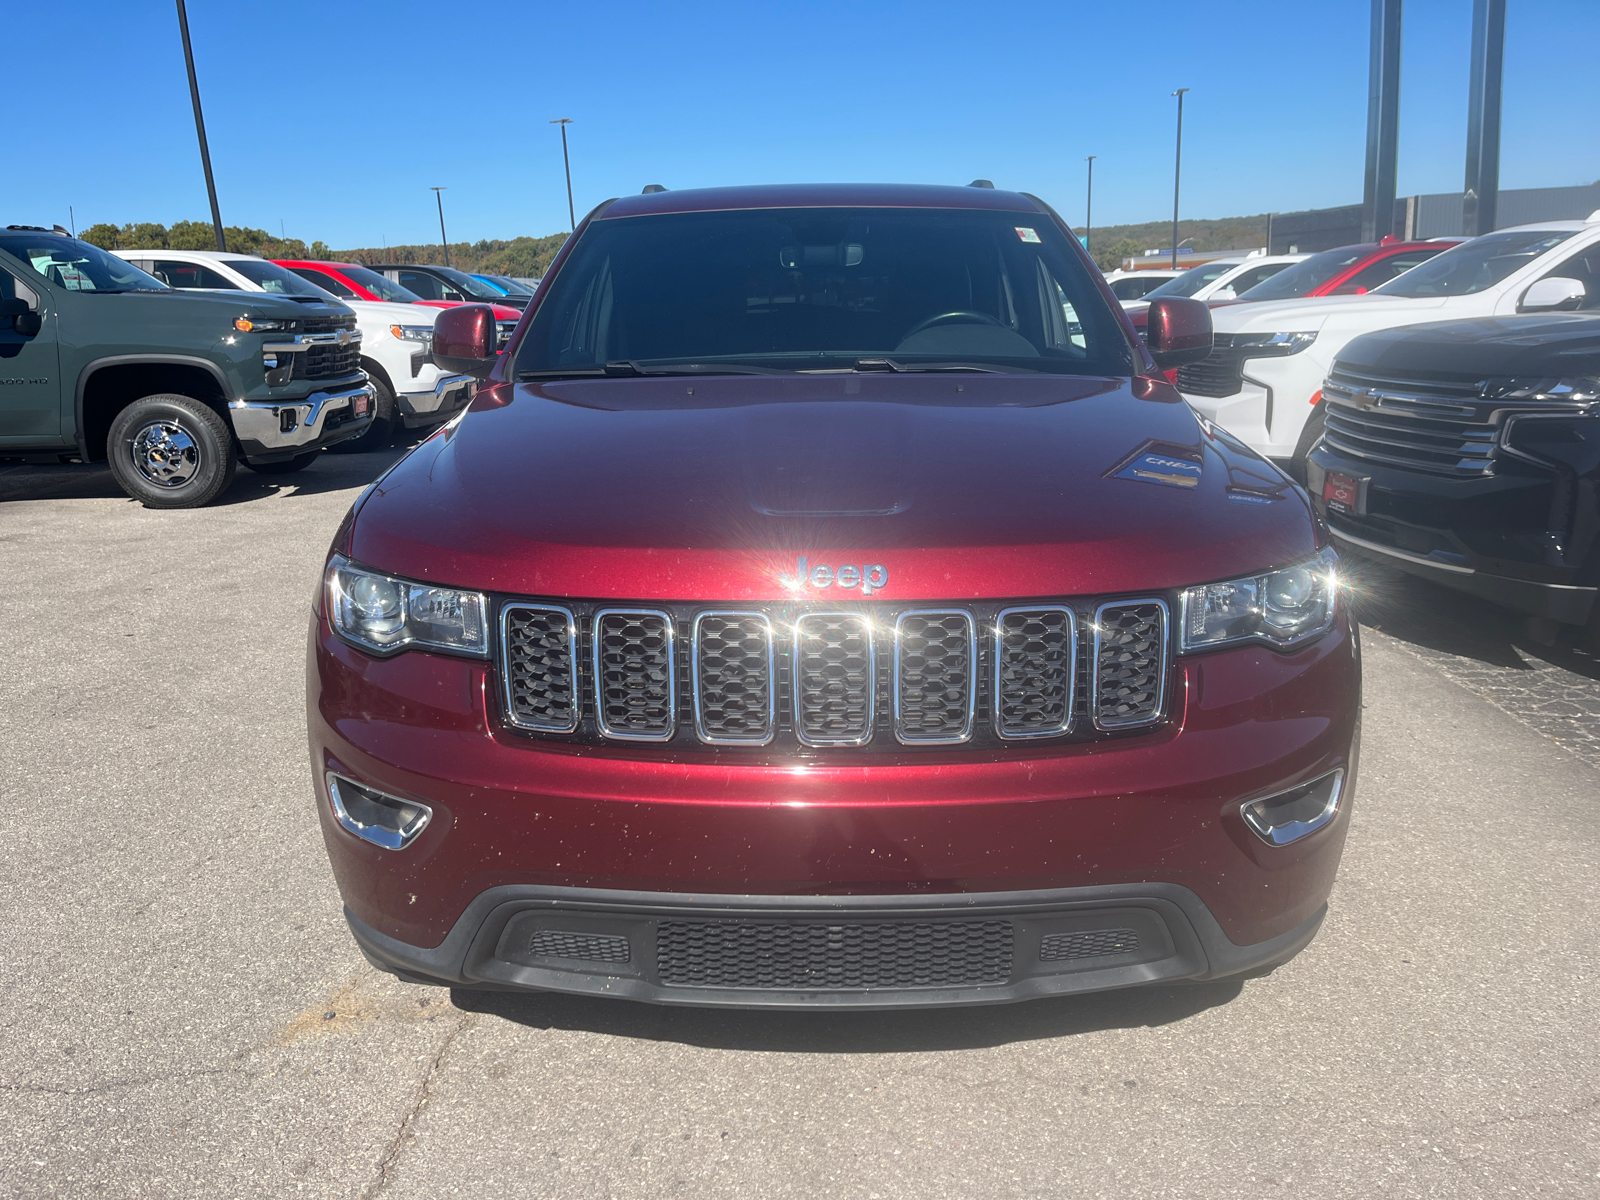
(958, 317)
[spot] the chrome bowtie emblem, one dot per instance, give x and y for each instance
(869, 578)
(344, 337)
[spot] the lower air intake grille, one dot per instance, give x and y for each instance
(814, 956)
(1062, 947)
(593, 947)
(835, 679)
(1130, 651)
(541, 668)
(935, 676)
(635, 676)
(1036, 658)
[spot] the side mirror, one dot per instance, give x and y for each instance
(1224, 293)
(23, 319)
(464, 340)
(1555, 292)
(1177, 331)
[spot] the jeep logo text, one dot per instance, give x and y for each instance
(868, 578)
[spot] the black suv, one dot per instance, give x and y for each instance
(1468, 452)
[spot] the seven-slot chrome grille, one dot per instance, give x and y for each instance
(787, 677)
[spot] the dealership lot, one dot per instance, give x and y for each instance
(187, 1015)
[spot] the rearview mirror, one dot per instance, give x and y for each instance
(1177, 331)
(464, 340)
(1556, 292)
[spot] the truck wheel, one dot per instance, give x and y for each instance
(170, 451)
(380, 431)
(285, 466)
(1315, 424)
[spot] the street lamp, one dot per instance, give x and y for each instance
(200, 127)
(1088, 208)
(1177, 176)
(572, 216)
(443, 241)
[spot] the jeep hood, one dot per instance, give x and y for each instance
(712, 487)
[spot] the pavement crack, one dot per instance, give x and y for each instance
(423, 1094)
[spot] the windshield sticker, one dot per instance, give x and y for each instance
(1026, 234)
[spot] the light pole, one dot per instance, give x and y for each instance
(443, 241)
(1177, 178)
(572, 216)
(200, 127)
(1088, 209)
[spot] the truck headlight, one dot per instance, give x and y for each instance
(1281, 608)
(262, 325)
(1272, 345)
(384, 614)
(412, 333)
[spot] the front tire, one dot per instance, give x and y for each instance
(170, 451)
(285, 466)
(379, 433)
(1309, 436)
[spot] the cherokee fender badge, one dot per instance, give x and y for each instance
(869, 578)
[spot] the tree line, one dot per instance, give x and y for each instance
(520, 256)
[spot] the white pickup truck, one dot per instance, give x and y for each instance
(396, 339)
(1263, 381)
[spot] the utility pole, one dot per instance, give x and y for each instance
(1481, 197)
(443, 241)
(200, 127)
(1383, 121)
(1269, 233)
(1088, 208)
(572, 217)
(1177, 178)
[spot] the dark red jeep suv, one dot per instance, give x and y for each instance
(826, 601)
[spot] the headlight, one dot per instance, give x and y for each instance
(412, 333)
(384, 614)
(1282, 608)
(258, 325)
(1575, 390)
(1272, 345)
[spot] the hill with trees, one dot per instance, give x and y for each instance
(1113, 243)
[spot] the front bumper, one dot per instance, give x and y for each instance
(829, 951)
(448, 396)
(269, 430)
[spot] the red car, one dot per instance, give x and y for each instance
(351, 281)
(825, 601)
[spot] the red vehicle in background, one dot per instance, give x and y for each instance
(352, 281)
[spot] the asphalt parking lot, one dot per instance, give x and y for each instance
(186, 1016)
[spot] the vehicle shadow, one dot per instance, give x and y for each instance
(901, 1031)
(1435, 617)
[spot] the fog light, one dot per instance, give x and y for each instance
(1290, 816)
(372, 816)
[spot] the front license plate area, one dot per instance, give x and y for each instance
(361, 406)
(1345, 493)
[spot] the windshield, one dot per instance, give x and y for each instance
(274, 278)
(511, 286)
(380, 286)
(500, 288)
(469, 284)
(1192, 280)
(77, 266)
(1302, 278)
(826, 289)
(1475, 265)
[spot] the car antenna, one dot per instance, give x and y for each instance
(983, 183)
(651, 189)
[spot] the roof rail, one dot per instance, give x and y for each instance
(981, 183)
(651, 189)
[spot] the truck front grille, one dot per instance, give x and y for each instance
(789, 678)
(1441, 426)
(1217, 375)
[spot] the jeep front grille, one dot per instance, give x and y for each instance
(781, 677)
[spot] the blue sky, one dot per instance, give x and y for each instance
(334, 119)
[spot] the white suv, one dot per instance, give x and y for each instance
(1263, 381)
(396, 339)
(1220, 278)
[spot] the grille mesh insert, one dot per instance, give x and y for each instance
(834, 679)
(594, 947)
(1062, 947)
(935, 661)
(541, 684)
(734, 677)
(818, 956)
(1034, 670)
(1130, 663)
(636, 693)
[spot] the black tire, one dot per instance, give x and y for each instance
(285, 466)
(384, 418)
(170, 451)
(1309, 436)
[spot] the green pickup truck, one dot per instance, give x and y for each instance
(173, 388)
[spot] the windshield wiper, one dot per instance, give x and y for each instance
(869, 365)
(628, 366)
